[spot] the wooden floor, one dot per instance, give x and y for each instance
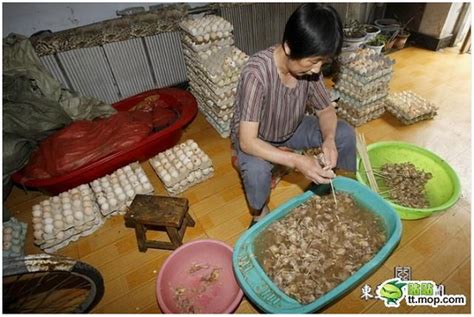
(436, 248)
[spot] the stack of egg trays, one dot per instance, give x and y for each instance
(115, 192)
(213, 66)
(14, 235)
(410, 108)
(182, 166)
(362, 90)
(64, 218)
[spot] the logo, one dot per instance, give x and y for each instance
(402, 288)
(391, 292)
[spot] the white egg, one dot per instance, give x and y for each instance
(67, 212)
(38, 234)
(87, 203)
(130, 193)
(7, 237)
(85, 192)
(7, 230)
(110, 195)
(143, 179)
(60, 235)
(122, 196)
(88, 211)
(45, 203)
(147, 186)
(7, 245)
(36, 207)
(58, 217)
(198, 174)
(127, 168)
(48, 228)
(76, 203)
(190, 178)
(76, 196)
(47, 208)
(118, 190)
(78, 215)
(37, 220)
(47, 221)
(67, 206)
(133, 178)
(113, 202)
(37, 213)
(189, 166)
(69, 219)
(65, 199)
(104, 207)
(58, 224)
(167, 178)
(101, 200)
(127, 187)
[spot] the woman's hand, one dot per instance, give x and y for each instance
(311, 169)
(330, 153)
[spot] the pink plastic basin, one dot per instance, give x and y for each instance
(223, 295)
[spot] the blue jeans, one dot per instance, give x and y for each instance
(256, 173)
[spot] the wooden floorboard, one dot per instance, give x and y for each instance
(436, 248)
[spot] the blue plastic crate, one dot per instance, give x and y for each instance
(259, 288)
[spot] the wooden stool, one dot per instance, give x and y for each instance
(163, 213)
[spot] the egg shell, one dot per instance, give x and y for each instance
(113, 202)
(7, 237)
(48, 228)
(37, 213)
(69, 219)
(122, 197)
(78, 215)
(38, 234)
(58, 224)
(147, 186)
(130, 193)
(105, 207)
(60, 235)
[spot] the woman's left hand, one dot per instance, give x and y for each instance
(330, 153)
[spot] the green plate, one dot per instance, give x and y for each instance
(442, 191)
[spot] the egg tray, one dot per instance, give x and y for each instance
(200, 25)
(216, 75)
(220, 108)
(409, 106)
(361, 92)
(353, 76)
(354, 103)
(405, 121)
(182, 166)
(221, 126)
(174, 191)
(361, 100)
(358, 121)
(201, 47)
(57, 220)
(14, 235)
(348, 77)
(358, 112)
(115, 192)
(219, 94)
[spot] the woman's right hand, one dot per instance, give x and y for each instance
(311, 169)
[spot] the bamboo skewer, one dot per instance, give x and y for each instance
(320, 158)
(362, 149)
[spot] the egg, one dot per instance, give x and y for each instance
(7, 245)
(48, 228)
(7, 237)
(139, 188)
(67, 212)
(127, 168)
(67, 206)
(69, 219)
(122, 197)
(130, 193)
(60, 235)
(36, 207)
(58, 217)
(104, 207)
(47, 208)
(45, 203)
(167, 178)
(37, 213)
(78, 215)
(113, 202)
(101, 200)
(38, 234)
(65, 200)
(147, 186)
(58, 224)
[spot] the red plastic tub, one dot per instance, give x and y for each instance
(181, 100)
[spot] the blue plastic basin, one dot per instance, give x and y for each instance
(259, 288)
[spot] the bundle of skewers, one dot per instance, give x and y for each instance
(402, 183)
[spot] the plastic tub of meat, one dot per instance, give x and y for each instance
(262, 291)
(181, 101)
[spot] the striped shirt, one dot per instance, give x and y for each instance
(262, 97)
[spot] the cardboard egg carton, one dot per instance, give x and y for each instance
(64, 218)
(115, 192)
(409, 107)
(14, 235)
(182, 166)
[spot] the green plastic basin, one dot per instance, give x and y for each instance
(442, 190)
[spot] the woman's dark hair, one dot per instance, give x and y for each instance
(313, 30)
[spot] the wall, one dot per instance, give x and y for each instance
(433, 18)
(29, 18)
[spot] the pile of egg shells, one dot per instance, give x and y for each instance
(116, 191)
(64, 218)
(213, 66)
(409, 107)
(182, 166)
(363, 84)
(14, 234)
